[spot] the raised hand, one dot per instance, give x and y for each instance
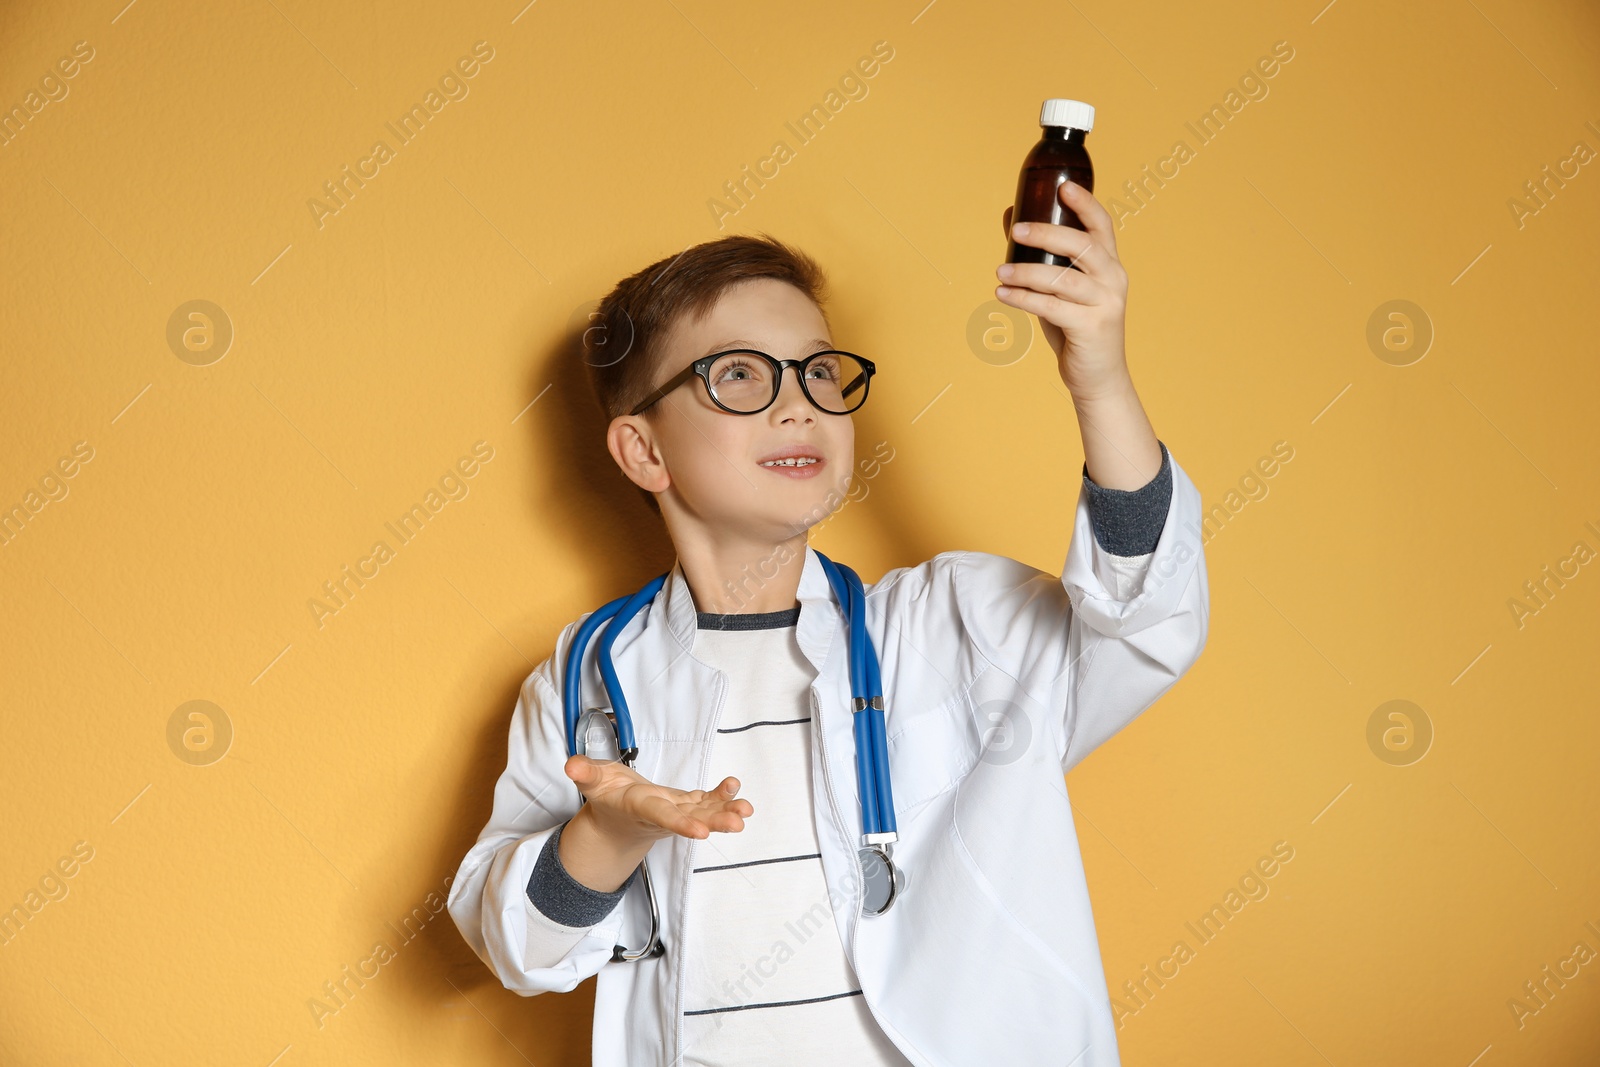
(1081, 311)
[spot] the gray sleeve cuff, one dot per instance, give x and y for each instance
(563, 898)
(1128, 522)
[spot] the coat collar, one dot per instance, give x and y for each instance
(821, 619)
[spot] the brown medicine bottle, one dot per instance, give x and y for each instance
(1058, 157)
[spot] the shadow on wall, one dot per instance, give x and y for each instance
(587, 510)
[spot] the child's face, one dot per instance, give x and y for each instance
(706, 462)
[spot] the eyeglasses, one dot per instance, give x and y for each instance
(743, 381)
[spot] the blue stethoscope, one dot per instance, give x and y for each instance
(882, 881)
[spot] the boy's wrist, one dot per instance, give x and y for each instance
(562, 897)
(595, 858)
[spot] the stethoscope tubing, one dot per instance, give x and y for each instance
(874, 690)
(877, 804)
(572, 697)
(872, 771)
(608, 670)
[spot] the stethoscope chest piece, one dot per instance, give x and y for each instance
(597, 735)
(881, 881)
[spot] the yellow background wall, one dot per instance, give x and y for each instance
(210, 899)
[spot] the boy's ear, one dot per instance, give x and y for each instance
(633, 446)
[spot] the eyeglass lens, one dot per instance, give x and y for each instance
(743, 381)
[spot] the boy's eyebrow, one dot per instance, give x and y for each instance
(817, 345)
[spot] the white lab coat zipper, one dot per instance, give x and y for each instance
(688, 875)
(819, 730)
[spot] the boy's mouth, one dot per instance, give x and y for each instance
(796, 461)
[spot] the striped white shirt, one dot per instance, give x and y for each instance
(766, 976)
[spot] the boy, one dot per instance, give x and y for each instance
(997, 678)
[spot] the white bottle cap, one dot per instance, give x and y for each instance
(1071, 113)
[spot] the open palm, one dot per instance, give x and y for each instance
(626, 804)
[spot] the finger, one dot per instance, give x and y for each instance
(714, 806)
(731, 818)
(1063, 282)
(1063, 313)
(1005, 221)
(666, 815)
(730, 786)
(1081, 248)
(1095, 218)
(742, 808)
(723, 816)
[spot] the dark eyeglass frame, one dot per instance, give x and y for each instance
(701, 368)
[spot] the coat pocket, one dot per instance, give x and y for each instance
(931, 748)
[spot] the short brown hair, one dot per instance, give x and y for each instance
(623, 343)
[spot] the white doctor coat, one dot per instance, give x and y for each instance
(998, 677)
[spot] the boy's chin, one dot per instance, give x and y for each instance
(821, 503)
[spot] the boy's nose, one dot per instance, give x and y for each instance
(791, 393)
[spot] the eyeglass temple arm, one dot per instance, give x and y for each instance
(685, 375)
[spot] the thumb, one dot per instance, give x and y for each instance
(579, 768)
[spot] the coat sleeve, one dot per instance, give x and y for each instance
(488, 900)
(1104, 640)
